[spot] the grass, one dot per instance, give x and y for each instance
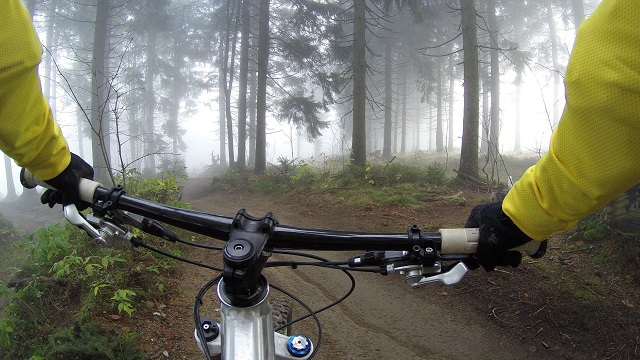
(402, 195)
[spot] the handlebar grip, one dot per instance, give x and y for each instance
(86, 188)
(465, 241)
(30, 181)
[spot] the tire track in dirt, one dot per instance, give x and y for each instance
(358, 324)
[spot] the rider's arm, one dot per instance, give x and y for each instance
(595, 151)
(28, 133)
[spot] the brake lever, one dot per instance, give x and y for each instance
(110, 230)
(74, 217)
(448, 277)
(416, 275)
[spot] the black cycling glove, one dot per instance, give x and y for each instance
(498, 234)
(66, 184)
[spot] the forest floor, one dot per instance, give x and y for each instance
(580, 301)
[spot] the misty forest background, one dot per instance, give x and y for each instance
(379, 76)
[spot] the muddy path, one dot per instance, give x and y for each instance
(383, 318)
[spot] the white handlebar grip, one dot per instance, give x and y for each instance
(465, 241)
(459, 241)
(86, 187)
(28, 180)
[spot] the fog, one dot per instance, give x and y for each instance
(173, 72)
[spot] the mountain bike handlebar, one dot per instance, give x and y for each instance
(423, 257)
(460, 241)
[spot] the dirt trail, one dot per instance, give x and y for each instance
(383, 318)
(497, 315)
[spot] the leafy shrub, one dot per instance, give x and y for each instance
(68, 272)
(594, 227)
(7, 232)
(370, 183)
(230, 178)
(86, 341)
(391, 174)
(436, 174)
(164, 189)
(305, 176)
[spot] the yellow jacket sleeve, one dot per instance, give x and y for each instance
(28, 133)
(595, 151)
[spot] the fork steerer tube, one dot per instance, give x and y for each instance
(284, 237)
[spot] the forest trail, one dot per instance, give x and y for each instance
(384, 318)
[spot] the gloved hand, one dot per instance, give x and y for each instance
(498, 234)
(66, 184)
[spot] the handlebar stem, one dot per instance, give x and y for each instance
(245, 255)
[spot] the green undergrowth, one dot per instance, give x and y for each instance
(599, 258)
(393, 183)
(8, 236)
(66, 286)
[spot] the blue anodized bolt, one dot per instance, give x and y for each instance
(299, 345)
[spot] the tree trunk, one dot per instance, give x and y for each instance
(359, 136)
(31, 6)
(100, 145)
(252, 109)
(553, 35)
(221, 105)
(388, 100)
(134, 129)
(242, 83)
(452, 81)
(263, 67)
(47, 61)
(429, 122)
(516, 146)
(53, 95)
(395, 127)
(403, 130)
(494, 130)
(439, 130)
(578, 12)
(418, 121)
(80, 119)
(469, 151)
(8, 171)
(177, 94)
(229, 62)
(484, 125)
(149, 136)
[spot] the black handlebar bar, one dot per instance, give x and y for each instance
(447, 241)
(286, 237)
